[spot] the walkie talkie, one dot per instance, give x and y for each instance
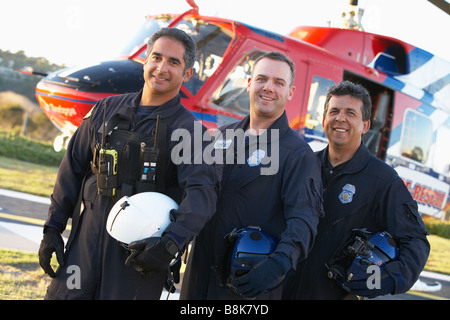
(108, 158)
(148, 159)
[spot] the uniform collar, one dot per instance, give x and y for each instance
(281, 124)
(355, 164)
(164, 111)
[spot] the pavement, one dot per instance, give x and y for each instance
(21, 227)
(19, 236)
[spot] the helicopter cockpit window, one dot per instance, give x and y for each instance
(146, 30)
(417, 135)
(232, 95)
(316, 103)
(441, 163)
(212, 42)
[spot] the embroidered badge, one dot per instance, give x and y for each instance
(222, 144)
(347, 193)
(255, 158)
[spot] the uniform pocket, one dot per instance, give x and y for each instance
(90, 189)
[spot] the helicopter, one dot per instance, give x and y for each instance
(410, 123)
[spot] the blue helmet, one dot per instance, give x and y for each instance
(362, 250)
(249, 242)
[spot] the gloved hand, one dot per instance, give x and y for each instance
(173, 276)
(361, 288)
(51, 242)
(152, 254)
(262, 276)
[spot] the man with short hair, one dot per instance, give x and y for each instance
(276, 188)
(360, 192)
(133, 121)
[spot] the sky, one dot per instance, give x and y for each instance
(81, 32)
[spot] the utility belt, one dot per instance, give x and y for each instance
(130, 162)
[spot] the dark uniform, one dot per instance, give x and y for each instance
(362, 193)
(286, 204)
(100, 258)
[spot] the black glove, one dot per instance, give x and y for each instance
(173, 276)
(152, 254)
(51, 242)
(263, 276)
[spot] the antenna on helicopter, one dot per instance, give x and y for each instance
(351, 19)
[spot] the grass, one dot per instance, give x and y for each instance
(27, 177)
(439, 259)
(27, 165)
(436, 226)
(26, 149)
(21, 277)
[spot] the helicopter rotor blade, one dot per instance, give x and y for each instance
(441, 4)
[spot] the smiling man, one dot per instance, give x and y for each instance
(126, 125)
(360, 192)
(164, 71)
(270, 88)
(286, 204)
(343, 126)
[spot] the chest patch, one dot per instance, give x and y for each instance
(256, 157)
(222, 144)
(346, 196)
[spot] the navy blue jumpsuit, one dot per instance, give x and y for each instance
(379, 201)
(101, 260)
(286, 202)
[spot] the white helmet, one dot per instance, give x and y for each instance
(140, 216)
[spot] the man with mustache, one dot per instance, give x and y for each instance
(360, 192)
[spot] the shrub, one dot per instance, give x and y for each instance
(26, 149)
(438, 227)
